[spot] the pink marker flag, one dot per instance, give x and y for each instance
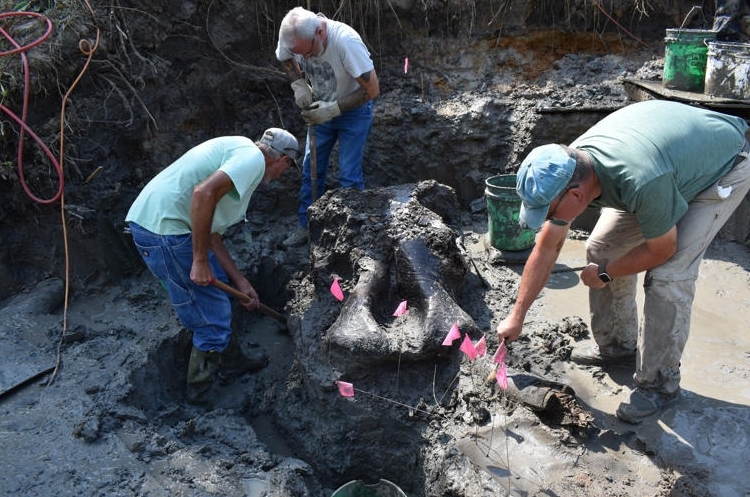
(406, 65)
(481, 347)
(452, 335)
(401, 310)
(336, 289)
(502, 376)
(345, 389)
(468, 348)
(500, 353)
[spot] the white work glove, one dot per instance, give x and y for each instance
(303, 95)
(320, 112)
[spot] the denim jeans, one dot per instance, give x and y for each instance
(351, 129)
(204, 310)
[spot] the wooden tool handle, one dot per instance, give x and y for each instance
(229, 289)
(261, 307)
(493, 374)
(313, 163)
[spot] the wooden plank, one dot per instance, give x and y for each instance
(20, 362)
(640, 90)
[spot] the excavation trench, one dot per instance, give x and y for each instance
(115, 420)
(418, 403)
(422, 416)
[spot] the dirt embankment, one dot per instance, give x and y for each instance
(164, 76)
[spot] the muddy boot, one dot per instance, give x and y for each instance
(202, 369)
(592, 355)
(235, 362)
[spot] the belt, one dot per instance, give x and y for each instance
(743, 154)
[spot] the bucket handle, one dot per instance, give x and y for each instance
(693, 10)
(689, 16)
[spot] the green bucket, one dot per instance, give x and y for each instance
(685, 57)
(503, 209)
(358, 488)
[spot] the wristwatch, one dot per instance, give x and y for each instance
(603, 275)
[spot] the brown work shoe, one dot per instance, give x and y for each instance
(201, 373)
(643, 403)
(591, 355)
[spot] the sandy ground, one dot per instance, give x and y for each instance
(705, 432)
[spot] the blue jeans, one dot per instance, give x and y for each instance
(351, 129)
(204, 310)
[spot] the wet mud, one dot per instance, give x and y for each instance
(431, 424)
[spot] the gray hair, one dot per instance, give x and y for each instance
(297, 23)
(268, 151)
(583, 169)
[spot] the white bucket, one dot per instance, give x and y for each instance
(728, 70)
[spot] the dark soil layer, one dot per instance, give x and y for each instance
(164, 76)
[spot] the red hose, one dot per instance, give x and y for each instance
(24, 111)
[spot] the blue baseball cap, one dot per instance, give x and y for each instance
(542, 176)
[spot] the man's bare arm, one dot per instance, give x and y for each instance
(369, 89)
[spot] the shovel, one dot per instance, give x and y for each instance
(313, 163)
(261, 307)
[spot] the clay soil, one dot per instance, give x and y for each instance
(93, 357)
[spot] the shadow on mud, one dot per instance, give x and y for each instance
(161, 381)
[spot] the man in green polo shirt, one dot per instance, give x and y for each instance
(667, 177)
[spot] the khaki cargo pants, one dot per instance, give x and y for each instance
(669, 288)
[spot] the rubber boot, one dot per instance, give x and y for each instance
(202, 369)
(235, 361)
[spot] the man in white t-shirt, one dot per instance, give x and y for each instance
(334, 83)
(177, 221)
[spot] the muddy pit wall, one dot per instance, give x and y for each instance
(461, 150)
(459, 115)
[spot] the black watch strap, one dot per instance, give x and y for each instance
(603, 275)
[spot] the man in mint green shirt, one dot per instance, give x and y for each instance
(667, 177)
(177, 221)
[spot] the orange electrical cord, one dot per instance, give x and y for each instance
(25, 107)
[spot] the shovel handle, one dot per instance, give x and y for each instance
(313, 163)
(261, 307)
